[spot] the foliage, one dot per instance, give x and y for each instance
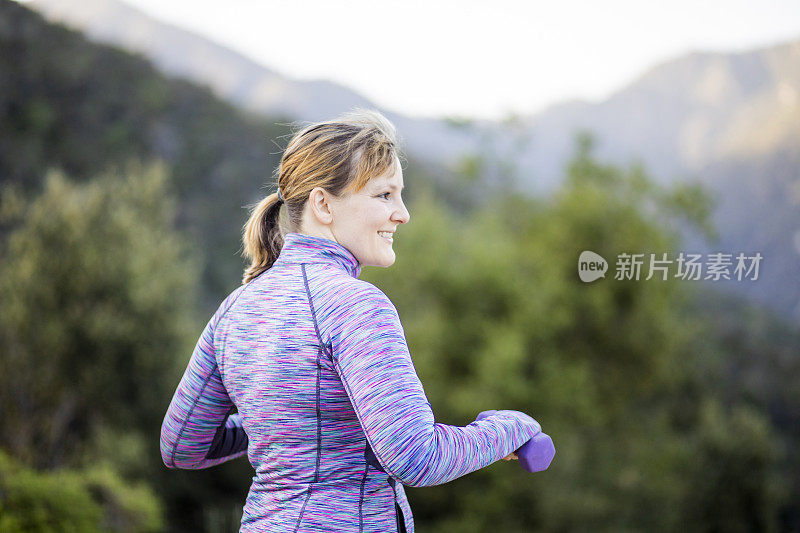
(73, 500)
(496, 317)
(98, 296)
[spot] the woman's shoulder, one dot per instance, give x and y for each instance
(345, 287)
(344, 298)
(228, 302)
(359, 308)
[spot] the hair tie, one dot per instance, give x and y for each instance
(280, 196)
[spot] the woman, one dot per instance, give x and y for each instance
(330, 409)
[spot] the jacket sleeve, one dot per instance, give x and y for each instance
(370, 354)
(198, 430)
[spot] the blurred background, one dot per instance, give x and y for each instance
(134, 135)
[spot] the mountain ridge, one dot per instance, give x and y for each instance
(728, 120)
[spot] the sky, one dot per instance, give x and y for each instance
(478, 59)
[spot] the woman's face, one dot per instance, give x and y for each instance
(364, 222)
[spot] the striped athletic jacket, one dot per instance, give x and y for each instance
(331, 412)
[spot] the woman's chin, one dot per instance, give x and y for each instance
(386, 261)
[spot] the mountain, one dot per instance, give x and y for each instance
(685, 114)
(236, 78)
(730, 121)
(677, 117)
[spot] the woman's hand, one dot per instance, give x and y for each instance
(484, 414)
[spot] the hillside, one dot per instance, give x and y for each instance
(729, 120)
(71, 104)
(84, 107)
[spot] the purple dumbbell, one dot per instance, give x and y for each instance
(536, 454)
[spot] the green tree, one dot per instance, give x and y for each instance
(98, 293)
(497, 318)
(93, 499)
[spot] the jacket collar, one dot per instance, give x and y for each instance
(302, 248)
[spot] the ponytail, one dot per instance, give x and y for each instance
(262, 237)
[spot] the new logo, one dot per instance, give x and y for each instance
(591, 266)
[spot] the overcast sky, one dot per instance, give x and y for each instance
(478, 59)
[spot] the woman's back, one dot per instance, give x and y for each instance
(302, 428)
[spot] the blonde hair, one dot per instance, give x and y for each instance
(338, 155)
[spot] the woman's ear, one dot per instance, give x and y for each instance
(319, 201)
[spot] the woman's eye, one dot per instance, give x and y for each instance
(385, 195)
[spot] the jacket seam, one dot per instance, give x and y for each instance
(396, 506)
(311, 304)
(339, 371)
(303, 510)
(320, 349)
(396, 514)
(319, 418)
(216, 326)
(361, 501)
(186, 419)
(205, 383)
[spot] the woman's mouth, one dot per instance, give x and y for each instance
(386, 235)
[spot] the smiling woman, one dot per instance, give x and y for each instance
(330, 409)
(364, 221)
(341, 181)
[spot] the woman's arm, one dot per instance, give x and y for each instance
(197, 431)
(370, 353)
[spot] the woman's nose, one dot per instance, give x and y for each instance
(402, 215)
